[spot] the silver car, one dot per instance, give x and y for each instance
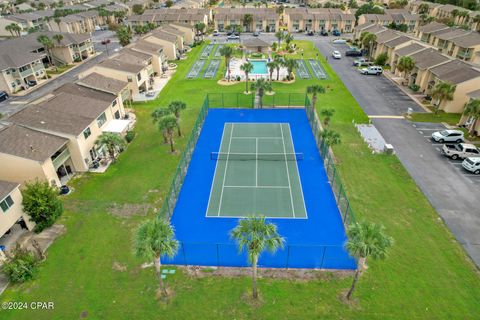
(448, 136)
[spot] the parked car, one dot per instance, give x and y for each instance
(372, 70)
(229, 32)
(339, 41)
(460, 151)
(233, 37)
(336, 54)
(215, 33)
(323, 33)
(362, 62)
(310, 33)
(256, 33)
(336, 33)
(353, 52)
(3, 96)
(31, 83)
(472, 164)
(448, 136)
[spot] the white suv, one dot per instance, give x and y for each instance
(372, 70)
(448, 136)
(472, 164)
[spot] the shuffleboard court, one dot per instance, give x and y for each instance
(195, 70)
(207, 50)
(317, 69)
(216, 53)
(302, 69)
(212, 69)
(256, 173)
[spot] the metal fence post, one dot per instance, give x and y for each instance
(218, 257)
(288, 256)
(223, 103)
(333, 179)
(323, 256)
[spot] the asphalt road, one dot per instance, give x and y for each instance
(14, 104)
(454, 193)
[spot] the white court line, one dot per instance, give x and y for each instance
(259, 187)
(298, 174)
(288, 172)
(215, 172)
(256, 162)
(225, 172)
(256, 138)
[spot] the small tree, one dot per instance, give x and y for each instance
(290, 64)
(406, 64)
(279, 35)
(113, 142)
(227, 53)
(154, 239)
(47, 44)
(366, 240)
(175, 107)
(156, 115)
(199, 28)
(57, 20)
(314, 90)
(58, 38)
(279, 61)
(169, 3)
(247, 21)
(327, 115)
(138, 9)
(472, 109)
(271, 67)
(255, 235)
(169, 124)
(21, 265)
(381, 59)
(288, 38)
(260, 86)
(246, 68)
(368, 39)
(41, 203)
(330, 137)
(442, 91)
(124, 35)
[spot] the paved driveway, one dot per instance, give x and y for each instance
(453, 193)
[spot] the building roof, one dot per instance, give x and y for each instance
(30, 144)
(386, 36)
(456, 72)
(120, 65)
(255, 42)
(428, 58)
(474, 94)
(372, 28)
(106, 84)
(71, 109)
(432, 26)
(472, 39)
(397, 41)
(172, 30)
(414, 47)
(452, 34)
(6, 187)
(164, 35)
(146, 47)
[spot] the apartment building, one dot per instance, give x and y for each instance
(188, 32)
(168, 41)
(159, 60)
(396, 16)
(316, 20)
(258, 19)
(55, 138)
(164, 16)
(11, 208)
(25, 21)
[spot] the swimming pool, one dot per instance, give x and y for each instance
(259, 66)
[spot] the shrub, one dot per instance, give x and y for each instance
(414, 87)
(41, 203)
(129, 136)
(21, 267)
(238, 78)
(381, 59)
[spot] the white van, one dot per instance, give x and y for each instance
(472, 164)
(372, 70)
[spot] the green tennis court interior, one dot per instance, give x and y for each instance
(256, 173)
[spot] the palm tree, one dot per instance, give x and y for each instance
(175, 107)
(260, 86)
(124, 36)
(330, 137)
(47, 44)
(255, 236)
(366, 240)
(279, 35)
(199, 28)
(9, 28)
(154, 239)
(290, 64)
(227, 53)
(278, 64)
(327, 114)
(112, 142)
(14, 29)
(247, 21)
(57, 21)
(472, 110)
(314, 90)
(442, 91)
(423, 8)
(368, 39)
(288, 38)
(156, 115)
(169, 124)
(58, 38)
(406, 64)
(271, 67)
(247, 68)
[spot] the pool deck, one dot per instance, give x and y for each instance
(235, 70)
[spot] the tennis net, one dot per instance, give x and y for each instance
(256, 156)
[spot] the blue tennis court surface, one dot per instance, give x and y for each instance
(315, 241)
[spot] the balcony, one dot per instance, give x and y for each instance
(26, 73)
(464, 55)
(61, 158)
(39, 67)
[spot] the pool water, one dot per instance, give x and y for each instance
(259, 66)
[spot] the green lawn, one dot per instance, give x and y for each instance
(426, 276)
(441, 116)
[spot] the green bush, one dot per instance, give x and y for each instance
(130, 136)
(41, 203)
(21, 267)
(414, 87)
(381, 59)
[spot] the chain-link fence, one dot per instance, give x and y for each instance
(328, 159)
(241, 100)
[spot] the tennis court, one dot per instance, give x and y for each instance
(256, 173)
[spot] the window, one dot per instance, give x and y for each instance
(129, 78)
(114, 103)
(117, 115)
(6, 203)
(101, 120)
(87, 133)
(139, 77)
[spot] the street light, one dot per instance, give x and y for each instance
(105, 42)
